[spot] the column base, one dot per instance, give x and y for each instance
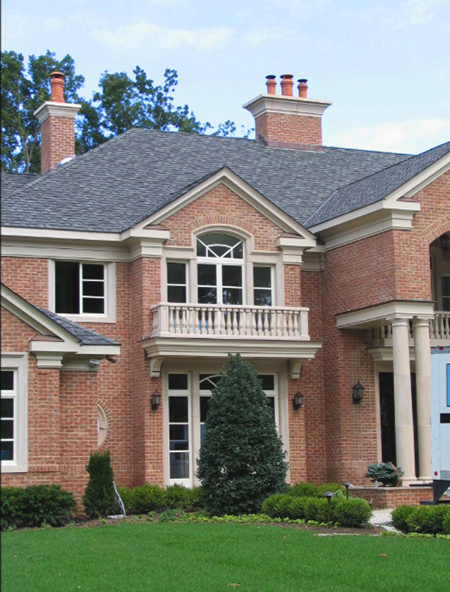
(408, 481)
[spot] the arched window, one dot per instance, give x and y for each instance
(220, 269)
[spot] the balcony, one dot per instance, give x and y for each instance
(230, 321)
(439, 332)
(214, 331)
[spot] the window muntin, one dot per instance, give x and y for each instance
(220, 269)
(176, 282)
(80, 288)
(262, 286)
(8, 415)
(220, 245)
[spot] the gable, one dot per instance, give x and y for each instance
(224, 199)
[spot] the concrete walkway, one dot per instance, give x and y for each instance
(383, 519)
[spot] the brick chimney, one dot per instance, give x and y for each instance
(57, 125)
(285, 120)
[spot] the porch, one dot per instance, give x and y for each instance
(439, 332)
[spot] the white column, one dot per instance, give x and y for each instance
(404, 428)
(423, 390)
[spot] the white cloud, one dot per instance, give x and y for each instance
(143, 35)
(411, 136)
(265, 35)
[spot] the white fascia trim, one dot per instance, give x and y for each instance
(34, 318)
(380, 314)
(287, 105)
(245, 191)
(210, 348)
(62, 235)
(395, 201)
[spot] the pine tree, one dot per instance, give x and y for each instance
(241, 458)
(99, 497)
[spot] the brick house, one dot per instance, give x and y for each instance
(131, 272)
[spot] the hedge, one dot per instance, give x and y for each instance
(353, 512)
(152, 498)
(306, 489)
(422, 519)
(36, 505)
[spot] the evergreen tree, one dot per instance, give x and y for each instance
(241, 459)
(99, 497)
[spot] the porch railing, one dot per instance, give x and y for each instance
(239, 321)
(439, 330)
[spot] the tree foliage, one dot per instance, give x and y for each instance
(120, 104)
(241, 458)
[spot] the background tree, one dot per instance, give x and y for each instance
(120, 104)
(23, 90)
(241, 459)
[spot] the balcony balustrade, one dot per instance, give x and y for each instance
(439, 331)
(240, 322)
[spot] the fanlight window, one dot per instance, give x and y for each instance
(222, 246)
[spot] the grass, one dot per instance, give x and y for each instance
(178, 557)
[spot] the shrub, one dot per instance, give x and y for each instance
(352, 512)
(428, 519)
(36, 505)
(298, 508)
(400, 517)
(446, 524)
(336, 488)
(386, 473)
(148, 498)
(127, 496)
(270, 505)
(11, 507)
(303, 490)
(99, 497)
(241, 458)
(180, 497)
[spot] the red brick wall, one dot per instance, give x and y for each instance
(221, 206)
(57, 140)
(27, 277)
(296, 129)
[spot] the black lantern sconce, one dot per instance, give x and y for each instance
(358, 392)
(297, 402)
(155, 400)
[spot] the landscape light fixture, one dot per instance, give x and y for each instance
(346, 485)
(358, 392)
(155, 400)
(329, 495)
(297, 401)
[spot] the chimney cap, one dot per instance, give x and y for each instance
(270, 77)
(57, 74)
(288, 76)
(302, 80)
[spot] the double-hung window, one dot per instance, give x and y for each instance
(446, 292)
(262, 286)
(84, 291)
(176, 282)
(79, 288)
(13, 413)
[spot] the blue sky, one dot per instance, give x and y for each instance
(385, 64)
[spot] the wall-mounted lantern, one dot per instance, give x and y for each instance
(297, 401)
(155, 400)
(358, 392)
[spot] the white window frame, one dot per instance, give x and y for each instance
(166, 279)
(109, 278)
(18, 363)
(272, 282)
(219, 263)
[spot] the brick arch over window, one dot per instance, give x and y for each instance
(227, 222)
(437, 229)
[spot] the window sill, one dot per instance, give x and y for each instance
(84, 318)
(14, 468)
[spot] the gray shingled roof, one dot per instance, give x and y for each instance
(83, 335)
(376, 186)
(137, 173)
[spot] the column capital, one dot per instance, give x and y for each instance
(397, 321)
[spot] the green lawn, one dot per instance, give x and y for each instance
(168, 557)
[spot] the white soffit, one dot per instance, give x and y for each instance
(380, 314)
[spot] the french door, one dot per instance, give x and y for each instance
(188, 396)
